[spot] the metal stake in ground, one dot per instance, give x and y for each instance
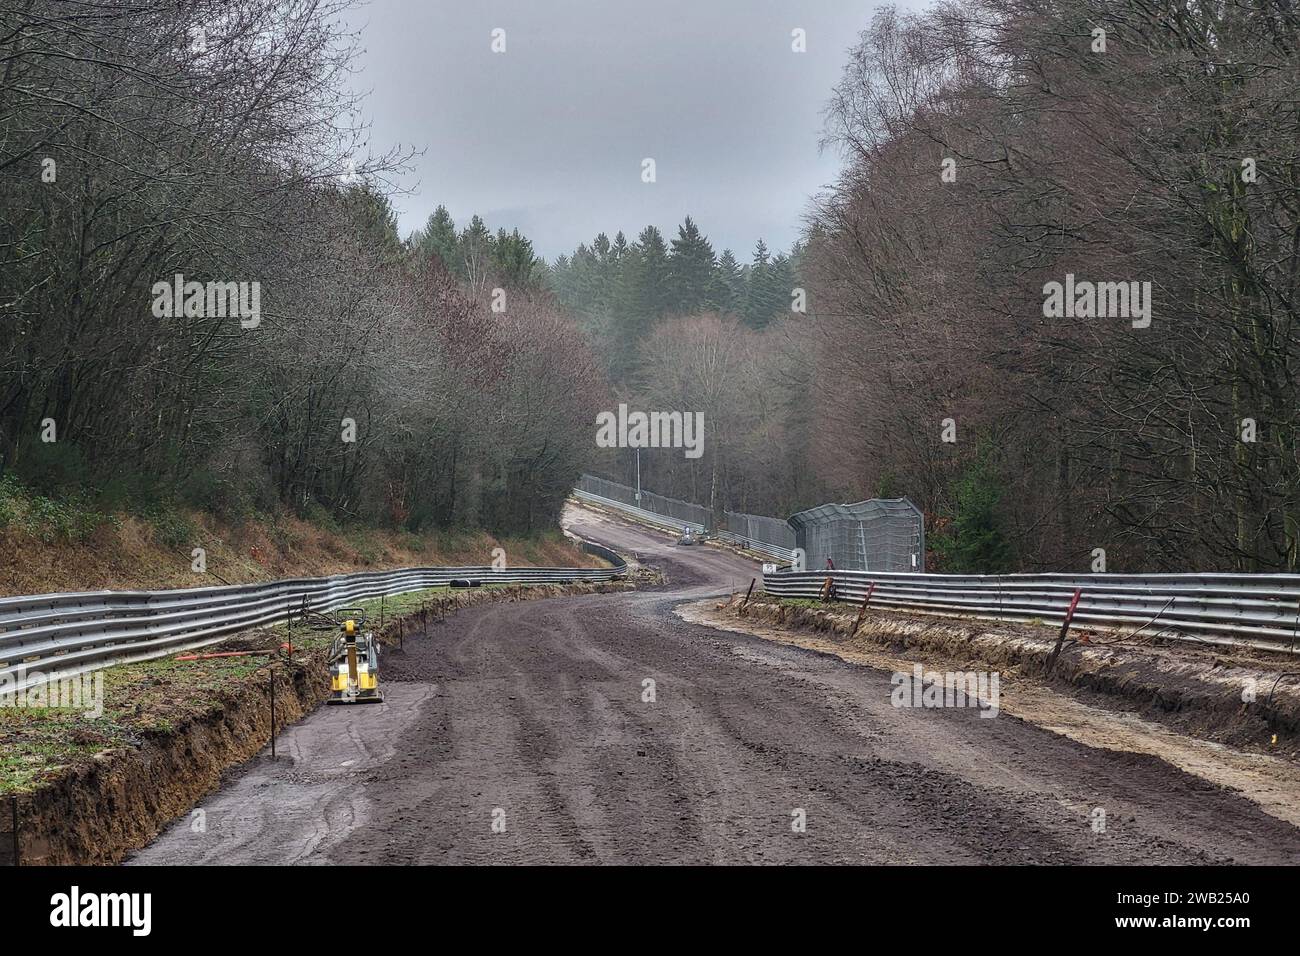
(749, 592)
(1065, 627)
(862, 612)
(13, 812)
(272, 713)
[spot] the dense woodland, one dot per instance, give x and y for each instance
(141, 140)
(1166, 151)
(1170, 156)
(988, 147)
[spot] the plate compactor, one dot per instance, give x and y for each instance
(354, 663)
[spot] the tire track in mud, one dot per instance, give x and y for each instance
(535, 709)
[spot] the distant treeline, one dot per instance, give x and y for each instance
(620, 290)
(996, 154)
(678, 327)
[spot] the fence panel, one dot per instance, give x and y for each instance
(772, 537)
(882, 534)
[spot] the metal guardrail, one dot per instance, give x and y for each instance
(53, 636)
(678, 524)
(758, 547)
(1256, 610)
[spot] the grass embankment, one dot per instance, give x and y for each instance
(66, 545)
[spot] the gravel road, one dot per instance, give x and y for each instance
(520, 733)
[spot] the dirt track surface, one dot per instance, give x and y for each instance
(531, 715)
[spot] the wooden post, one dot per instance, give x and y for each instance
(862, 612)
(1065, 627)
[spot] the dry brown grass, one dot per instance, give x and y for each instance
(129, 553)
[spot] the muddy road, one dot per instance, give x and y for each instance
(519, 733)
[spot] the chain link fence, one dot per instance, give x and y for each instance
(775, 534)
(882, 534)
(677, 513)
(770, 536)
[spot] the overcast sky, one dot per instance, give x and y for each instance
(550, 135)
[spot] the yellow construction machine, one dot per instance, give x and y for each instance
(354, 662)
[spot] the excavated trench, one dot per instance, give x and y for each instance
(1245, 698)
(100, 810)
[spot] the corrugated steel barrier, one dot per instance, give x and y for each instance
(51, 636)
(1257, 610)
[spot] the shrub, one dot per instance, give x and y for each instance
(174, 530)
(973, 541)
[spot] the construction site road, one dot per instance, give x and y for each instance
(603, 728)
